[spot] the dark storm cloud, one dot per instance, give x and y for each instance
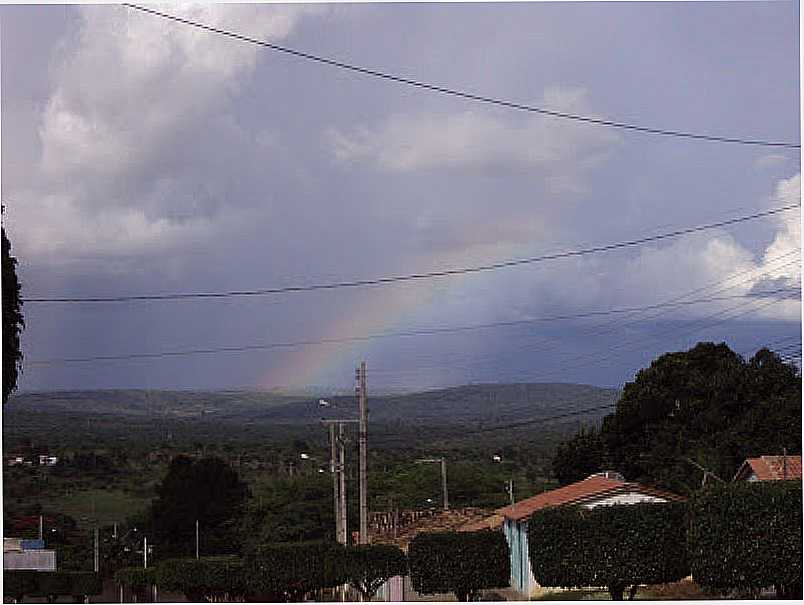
(152, 158)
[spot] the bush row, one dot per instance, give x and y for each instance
(744, 536)
(462, 563)
(50, 584)
(273, 573)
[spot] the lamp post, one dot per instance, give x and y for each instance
(443, 462)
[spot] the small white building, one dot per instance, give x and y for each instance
(599, 489)
(17, 556)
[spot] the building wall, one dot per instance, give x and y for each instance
(39, 560)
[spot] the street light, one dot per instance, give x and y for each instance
(443, 462)
(496, 458)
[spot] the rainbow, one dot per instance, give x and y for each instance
(379, 309)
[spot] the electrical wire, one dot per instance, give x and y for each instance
(425, 275)
(408, 333)
(460, 93)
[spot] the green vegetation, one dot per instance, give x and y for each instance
(705, 405)
(368, 567)
(287, 572)
(459, 562)
(748, 536)
(205, 579)
(13, 322)
(613, 546)
(51, 585)
(206, 491)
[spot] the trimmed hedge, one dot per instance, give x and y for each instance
(612, 546)
(459, 562)
(747, 536)
(287, 572)
(136, 578)
(368, 567)
(18, 584)
(50, 584)
(204, 579)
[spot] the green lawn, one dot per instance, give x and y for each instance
(103, 507)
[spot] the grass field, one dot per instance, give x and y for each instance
(103, 507)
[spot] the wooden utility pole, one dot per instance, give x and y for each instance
(333, 468)
(96, 551)
(444, 482)
(362, 400)
(443, 462)
(344, 537)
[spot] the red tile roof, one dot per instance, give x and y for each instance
(592, 488)
(770, 468)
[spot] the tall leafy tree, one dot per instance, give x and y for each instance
(13, 322)
(206, 490)
(579, 457)
(707, 406)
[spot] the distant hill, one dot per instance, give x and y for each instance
(464, 405)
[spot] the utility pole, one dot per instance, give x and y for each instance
(196, 540)
(511, 490)
(363, 442)
(97, 551)
(333, 452)
(41, 527)
(344, 537)
(145, 552)
(444, 482)
(443, 462)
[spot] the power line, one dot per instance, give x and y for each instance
(460, 93)
(426, 275)
(407, 333)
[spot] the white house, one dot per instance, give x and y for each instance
(597, 490)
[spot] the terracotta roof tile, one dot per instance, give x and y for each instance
(771, 468)
(593, 487)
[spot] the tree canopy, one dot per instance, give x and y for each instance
(207, 490)
(747, 536)
(459, 562)
(613, 546)
(13, 321)
(706, 405)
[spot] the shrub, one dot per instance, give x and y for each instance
(18, 584)
(369, 567)
(138, 580)
(747, 536)
(50, 584)
(459, 562)
(612, 546)
(203, 579)
(287, 572)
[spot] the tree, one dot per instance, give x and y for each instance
(747, 536)
(13, 321)
(368, 567)
(459, 562)
(207, 490)
(205, 579)
(613, 546)
(579, 457)
(287, 572)
(707, 405)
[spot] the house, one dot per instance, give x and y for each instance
(770, 468)
(599, 489)
(19, 554)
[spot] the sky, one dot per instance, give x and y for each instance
(142, 156)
